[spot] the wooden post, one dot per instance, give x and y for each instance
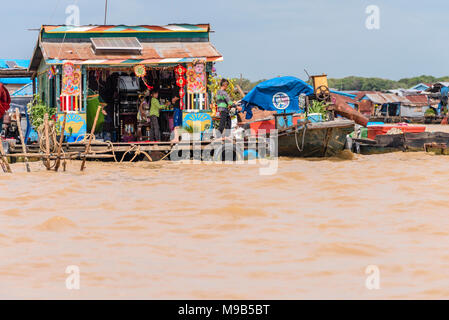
(61, 141)
(5, 163)
(240, 91)
(90, 138)
(47, 141)
(22, 140)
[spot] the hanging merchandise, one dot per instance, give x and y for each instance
(181, 82)
(51, 72)
(196, 77)
(141, 72)
(180, 71)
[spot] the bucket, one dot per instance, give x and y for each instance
(315, 117)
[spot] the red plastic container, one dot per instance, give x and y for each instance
(374, 131)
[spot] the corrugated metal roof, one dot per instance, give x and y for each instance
(360, 94)
(381, 98)
(154, 52)
(416, 100)
(21, 63)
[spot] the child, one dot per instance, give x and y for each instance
(144, 108)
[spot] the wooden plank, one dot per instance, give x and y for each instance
(4, 160)
(47, 141)
(61, 140)
(19, 126)
(90, 138)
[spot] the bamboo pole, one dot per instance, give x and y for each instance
(5, 164)
(61, 140)
(92, 132)
(240, 91)
(47, 142)
(22, 140)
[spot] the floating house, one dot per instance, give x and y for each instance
(70, 65)
(13, 73)
(421, 87)
(393, 105)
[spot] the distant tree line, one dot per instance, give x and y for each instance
(354, 83)
(379, 84)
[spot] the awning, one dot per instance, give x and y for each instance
(152, 53)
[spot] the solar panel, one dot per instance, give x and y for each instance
(12, 64)
(116, 44)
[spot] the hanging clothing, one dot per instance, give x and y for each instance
(5, 100)
(93, 102)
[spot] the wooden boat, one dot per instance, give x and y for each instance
(408, 141)
(321, 139)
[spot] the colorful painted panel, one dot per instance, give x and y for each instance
(198, 121)
(71, 80)
(77, 123)
(196, 77)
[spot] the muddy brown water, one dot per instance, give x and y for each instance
(173, 231)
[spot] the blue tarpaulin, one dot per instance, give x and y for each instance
(278, 94)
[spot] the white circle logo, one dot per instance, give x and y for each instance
(281, 100)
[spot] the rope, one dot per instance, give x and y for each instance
(137, 152)
(303, 138)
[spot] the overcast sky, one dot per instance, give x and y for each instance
(263, 39)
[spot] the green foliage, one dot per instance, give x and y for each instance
(354, 83)
(430, 112)
(246, 84)
(214, 85)
(318, 107)
(188, 129)
(379, 84)
(37, 110)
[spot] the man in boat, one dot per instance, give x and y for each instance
(5, 101)
(224, 103)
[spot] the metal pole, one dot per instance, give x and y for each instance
(105, 11)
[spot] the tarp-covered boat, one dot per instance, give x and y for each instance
(286, 98)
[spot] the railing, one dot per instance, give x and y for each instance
(71, 104)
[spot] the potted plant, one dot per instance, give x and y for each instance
(37, 110)
(317, 111)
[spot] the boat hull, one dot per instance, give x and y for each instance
(314, 140)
